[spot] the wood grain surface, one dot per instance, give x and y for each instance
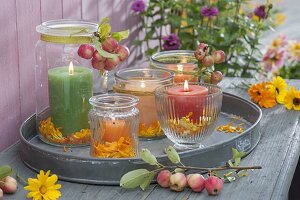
(277, 152)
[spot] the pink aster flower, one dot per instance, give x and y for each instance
(273, 59)
(279, 42)
(209, 11)
(138, 6)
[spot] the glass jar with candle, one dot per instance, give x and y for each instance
(142, 83)
(181, 62)
(114, 125)
(64, 82)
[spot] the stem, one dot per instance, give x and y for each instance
(215, 168)
(21, 180)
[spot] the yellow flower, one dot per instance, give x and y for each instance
(292, 99)
(294, 50)
(278, 86)
(279, 19)
(44, 187)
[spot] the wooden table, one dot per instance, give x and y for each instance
(277, 153)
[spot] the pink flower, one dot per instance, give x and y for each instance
(273, 59)
(294, 51)
(279, 42)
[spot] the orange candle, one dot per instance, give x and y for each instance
(114, 129)
(179, 70)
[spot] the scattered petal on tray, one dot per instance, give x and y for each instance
(153, 130)
(231, 128)
(123, 148)
(52, 134)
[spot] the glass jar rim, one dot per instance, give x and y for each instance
(161, 89)
(67, 27)
(118, 75)
(154, 57)
(114, 101)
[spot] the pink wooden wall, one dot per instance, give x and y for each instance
(18, 19)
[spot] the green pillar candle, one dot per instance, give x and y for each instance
(69, 94)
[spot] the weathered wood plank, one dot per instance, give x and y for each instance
(51, 10)
(9, 75)
(90, 10)
(72, 9)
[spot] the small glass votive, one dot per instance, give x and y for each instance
(142, 83)
(181, 62)
(114, 126)
(187, 113)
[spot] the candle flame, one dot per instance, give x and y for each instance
(186, 86)
(180, 68)
(143, 85)
(113, 120)
(71, 68)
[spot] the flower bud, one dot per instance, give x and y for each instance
(208, 61)
(216, 77)
(218, 56)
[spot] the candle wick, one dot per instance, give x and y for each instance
(114, 122)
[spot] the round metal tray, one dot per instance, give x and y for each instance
(77, 166)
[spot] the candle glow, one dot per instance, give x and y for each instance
(71, 68)
(186, 86)
(143, 85)
(180, 68)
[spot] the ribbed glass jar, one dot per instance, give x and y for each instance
(64, 82)
(187, 114)
(142, 83)
(181, 62)
(114, 125)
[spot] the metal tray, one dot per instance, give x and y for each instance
(77, 166)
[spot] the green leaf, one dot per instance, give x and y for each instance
(5, 170)
(172, 155)
(101, 51)
(104, 20)
(148, 157)
(230, 179)
(134, 178)
(242, 173)
(120, 35)
(104, 31)
(179, 170)
(237, 156)
(147, 181)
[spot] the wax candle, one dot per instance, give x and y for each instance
(69, 91)
(179, 70)
(188, 98)
(114, 129)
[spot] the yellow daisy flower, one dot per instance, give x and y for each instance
(279, 19)
(44, 187)
(278, 86)
(294, 49)
(292, 99)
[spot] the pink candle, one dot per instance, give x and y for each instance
(188, 98)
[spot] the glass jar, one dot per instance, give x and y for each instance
(64, 82)
(188, 112)
(181, 62)
(142, 83)
(114, 125)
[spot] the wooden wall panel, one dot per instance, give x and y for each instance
(90, 10)
(28, 17)
(10, 115)
(51, 9)
(72, 9)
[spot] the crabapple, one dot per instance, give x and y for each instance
(196, 182)
(178, 182)
(98, 64)
(163, 178)
(201, 51)
(9, 185)
(216, 77)
(123, 52)
(218, 56)
(207, 61)
(98, 57)
(110, 44)
(213, 185)
(86, 51)
(111, 63)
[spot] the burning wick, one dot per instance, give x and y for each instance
(186, 86)
(113, 119)
(71, 68)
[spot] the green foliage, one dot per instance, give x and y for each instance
(231, 31)
(5, 170)
(290, 72)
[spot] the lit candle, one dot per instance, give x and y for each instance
(114, 129)
(188, 98)
(69, 91)
(179, 70)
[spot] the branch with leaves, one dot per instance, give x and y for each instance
(143, 177)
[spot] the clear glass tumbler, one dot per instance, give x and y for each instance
(187, 114)
(114, 125)
(142, 83)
